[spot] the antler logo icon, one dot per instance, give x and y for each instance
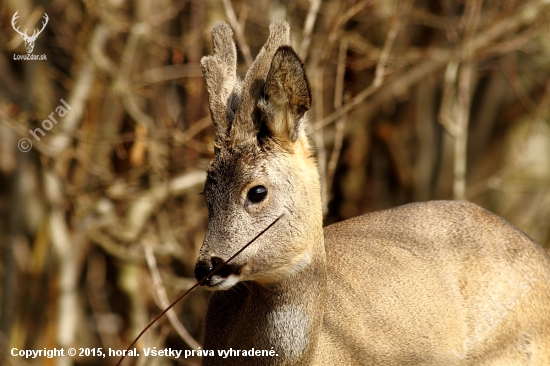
(29, 41)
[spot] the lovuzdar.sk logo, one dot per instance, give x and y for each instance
(29, 40)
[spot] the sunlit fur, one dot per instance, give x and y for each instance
(406, 286)
(230, 175)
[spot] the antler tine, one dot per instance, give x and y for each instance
(220, 74)
(279, 35)
(13, 19)
(43, 26)
(46, 18)
(224, 47)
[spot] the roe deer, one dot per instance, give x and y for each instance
(435, 283)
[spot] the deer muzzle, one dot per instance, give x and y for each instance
(204, 268)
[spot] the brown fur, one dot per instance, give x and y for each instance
(435, 283)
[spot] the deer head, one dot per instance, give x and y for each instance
(29, 41)
(263, 165)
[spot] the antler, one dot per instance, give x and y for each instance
(35, 35)
(254, 81)
(13, 19)
(232, 101)
(220, 74)
(24, 34)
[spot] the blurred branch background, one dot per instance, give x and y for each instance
(101, 220)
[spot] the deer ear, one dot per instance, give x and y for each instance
(287, 95)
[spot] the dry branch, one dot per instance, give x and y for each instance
(308, 28)
(137, 137)
(340, 122)
(238, 31)
(163, 299)
(526, 15)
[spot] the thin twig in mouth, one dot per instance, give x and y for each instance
(194, 286)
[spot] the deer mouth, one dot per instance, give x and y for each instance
(216, 283)
(225, 278)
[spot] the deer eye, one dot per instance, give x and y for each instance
(257, 194)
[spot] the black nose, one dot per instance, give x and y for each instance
(202, 269)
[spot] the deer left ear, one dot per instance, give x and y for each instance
(287, 95)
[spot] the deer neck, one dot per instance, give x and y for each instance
(289, 313)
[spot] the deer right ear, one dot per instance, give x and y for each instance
(287, 95)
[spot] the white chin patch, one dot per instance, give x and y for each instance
(224, 283)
